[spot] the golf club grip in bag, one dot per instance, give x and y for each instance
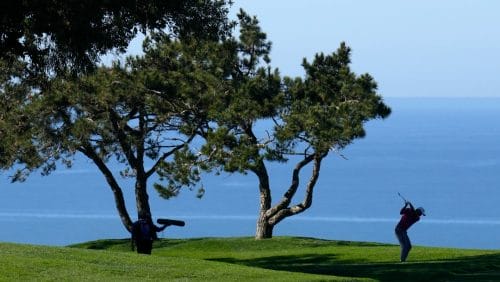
(170, 222)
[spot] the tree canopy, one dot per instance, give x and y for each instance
(52, 108)
(139, 116)
(58, 34)
(308, 117)
(146, 113)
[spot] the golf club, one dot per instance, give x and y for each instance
(402, 197)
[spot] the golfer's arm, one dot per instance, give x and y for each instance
(402, 211)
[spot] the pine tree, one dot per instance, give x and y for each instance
(308, 118)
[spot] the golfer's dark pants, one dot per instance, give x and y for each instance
(405, 243)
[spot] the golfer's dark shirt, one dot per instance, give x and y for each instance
(408, 218)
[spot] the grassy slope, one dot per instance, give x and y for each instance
(344, 259)
(244, 259)
(28, 263)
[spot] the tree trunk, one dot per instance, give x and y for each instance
(141, 196)
(264, 229)
(113, 184)
(121, 208)
(269, 216)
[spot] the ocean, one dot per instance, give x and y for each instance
(440, 153)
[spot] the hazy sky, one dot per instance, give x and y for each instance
(437, 48)
(412, 48)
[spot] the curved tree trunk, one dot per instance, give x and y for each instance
(269, 216)
(283, 209)
(113, 184)
(264, 229)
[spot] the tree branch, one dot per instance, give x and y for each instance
(281, 211)
(122, 138)
(168, 154)
(307, 201)
(287, 197)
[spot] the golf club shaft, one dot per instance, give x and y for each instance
(402, 197)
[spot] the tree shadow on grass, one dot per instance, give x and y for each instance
(103, 244)
(474, 268)
(126, 244)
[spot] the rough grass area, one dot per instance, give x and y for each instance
(245, 259)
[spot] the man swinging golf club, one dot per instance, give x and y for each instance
(409, 215)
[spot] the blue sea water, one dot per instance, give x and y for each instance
(442, 154)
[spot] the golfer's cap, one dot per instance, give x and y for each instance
(421, 210)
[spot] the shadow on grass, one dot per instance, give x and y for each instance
(103, 244)
(126, 244)
(474, 268)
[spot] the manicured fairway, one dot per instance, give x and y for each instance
(245, 259)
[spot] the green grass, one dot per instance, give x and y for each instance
(245, 259)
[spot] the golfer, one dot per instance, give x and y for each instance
(409, 216)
